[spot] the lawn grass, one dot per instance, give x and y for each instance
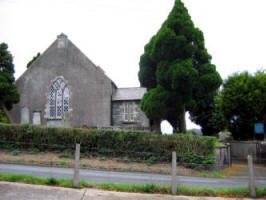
(239, 192)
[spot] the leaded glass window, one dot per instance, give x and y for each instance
(52, 102)
(58, 99)
(66, 100)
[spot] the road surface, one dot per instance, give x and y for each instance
(125, 177)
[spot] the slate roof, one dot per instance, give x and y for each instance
(135, 93)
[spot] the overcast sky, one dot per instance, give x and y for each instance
(112, 33)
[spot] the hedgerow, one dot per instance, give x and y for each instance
(191, 150)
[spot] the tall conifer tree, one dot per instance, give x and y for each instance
(176, 68)
(8, 90)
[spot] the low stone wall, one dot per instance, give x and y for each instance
(223, 157)
(241, 149)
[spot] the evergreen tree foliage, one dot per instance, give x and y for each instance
(3, 118)
(33, 59)
(243, 102)
(208, 114)
(8, 90)
(176, 68)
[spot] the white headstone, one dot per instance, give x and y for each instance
(36, 120)
(24, 115)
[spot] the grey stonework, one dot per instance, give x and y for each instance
(91, 91)
(139, 119)
(223, 156)
(241, 149)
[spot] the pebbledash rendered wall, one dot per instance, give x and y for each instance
(90, 89)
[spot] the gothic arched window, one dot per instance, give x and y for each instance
(58, 99)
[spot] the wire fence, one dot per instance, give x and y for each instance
(92, 157)
(64, 154)
(256, 159)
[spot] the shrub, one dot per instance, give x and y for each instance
(111, 143)
(16, 152)
(151, 160)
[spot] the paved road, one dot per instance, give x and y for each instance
(124, 177)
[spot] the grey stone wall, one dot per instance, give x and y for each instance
(223, 157)
(140, 120)
(241, 149)
(90, 89)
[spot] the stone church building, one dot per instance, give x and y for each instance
(64, 88)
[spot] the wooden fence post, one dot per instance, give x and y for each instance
(251, 181)
(76, 167)
(174, 183)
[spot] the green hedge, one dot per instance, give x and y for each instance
(132, 144)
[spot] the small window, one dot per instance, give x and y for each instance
(58, 99)
(128, 112)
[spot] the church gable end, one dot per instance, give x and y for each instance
(64, 88)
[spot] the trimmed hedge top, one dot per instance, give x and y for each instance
(117, 142)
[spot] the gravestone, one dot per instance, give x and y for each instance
(25, 115)
(36, 119)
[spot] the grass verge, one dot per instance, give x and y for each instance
(212, 175)
(239, 192)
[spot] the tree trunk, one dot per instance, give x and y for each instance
(175, 125)
(9, 117)
(176, 129)
(156, 126)
(182, 122)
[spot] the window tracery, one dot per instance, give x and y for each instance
(58, 99)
